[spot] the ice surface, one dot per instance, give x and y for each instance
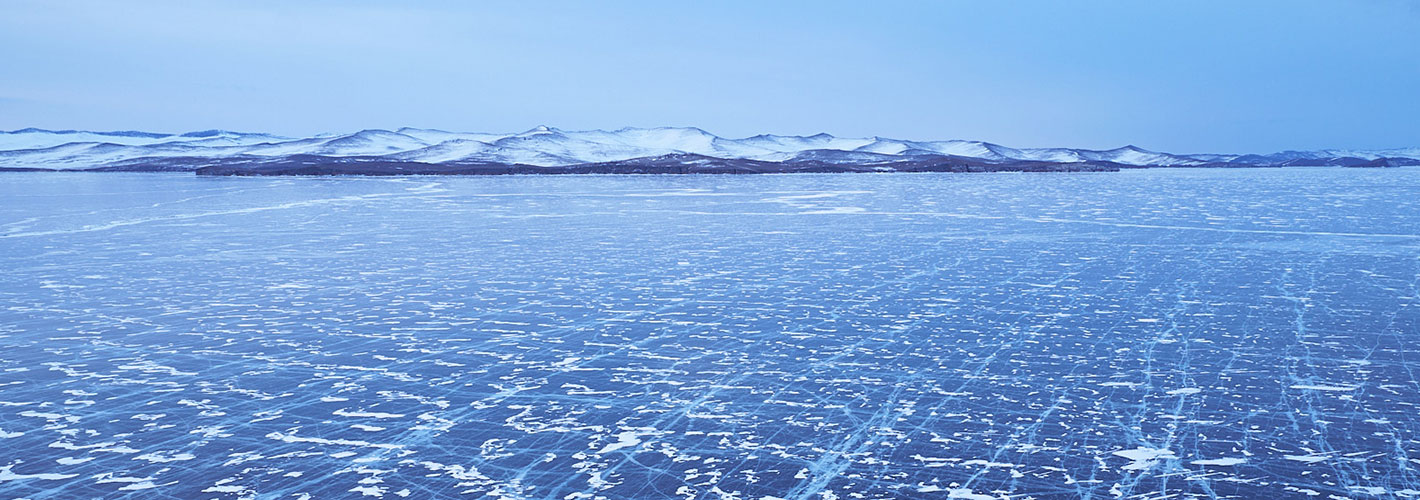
(1141, 334)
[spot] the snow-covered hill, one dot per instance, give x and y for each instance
(548, 147)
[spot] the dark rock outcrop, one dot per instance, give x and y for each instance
(668, 164)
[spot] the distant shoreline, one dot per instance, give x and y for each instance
(311, 165)
(552, 151)
(370, 167)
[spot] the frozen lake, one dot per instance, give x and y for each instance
(1200, 333)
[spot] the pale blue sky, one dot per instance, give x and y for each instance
(1180, 76)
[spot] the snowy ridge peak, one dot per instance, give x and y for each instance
(545, 146)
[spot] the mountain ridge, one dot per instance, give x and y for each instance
(554, 149)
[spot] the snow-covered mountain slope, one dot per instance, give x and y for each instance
(548, 147)
(33, 138)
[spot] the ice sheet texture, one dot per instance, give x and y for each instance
(1202, 334)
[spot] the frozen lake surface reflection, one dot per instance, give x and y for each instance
(1143, 334)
